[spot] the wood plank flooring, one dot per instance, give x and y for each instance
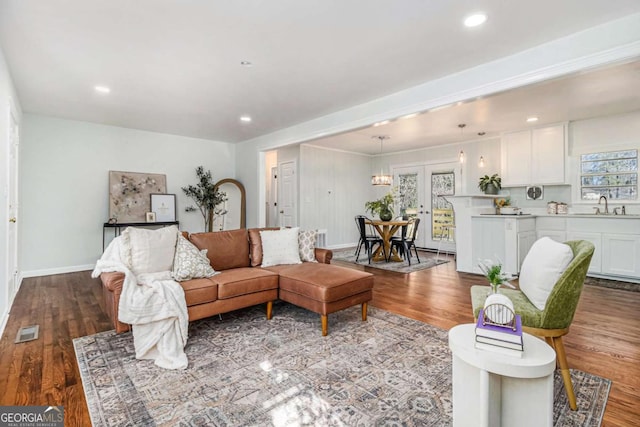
(604, 339)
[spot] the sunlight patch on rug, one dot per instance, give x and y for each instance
(244, 370)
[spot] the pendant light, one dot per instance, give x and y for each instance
(381, 179)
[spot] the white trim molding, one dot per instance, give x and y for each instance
(57, 270)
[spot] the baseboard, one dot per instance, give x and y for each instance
(58, 270)
(342, 246)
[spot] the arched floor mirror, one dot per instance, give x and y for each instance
(235, 205)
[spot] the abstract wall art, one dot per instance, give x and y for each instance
(129, 194)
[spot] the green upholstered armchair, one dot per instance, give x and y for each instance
(553, 322)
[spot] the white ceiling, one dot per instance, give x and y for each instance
(174, 66)
(603, 92)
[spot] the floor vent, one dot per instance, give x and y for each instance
(28, 333)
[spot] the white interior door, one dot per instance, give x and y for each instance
(12, 204)
(272, 197)
(287, 194)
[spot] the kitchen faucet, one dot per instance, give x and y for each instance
(606, 204)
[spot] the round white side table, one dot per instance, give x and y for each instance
(492, 389)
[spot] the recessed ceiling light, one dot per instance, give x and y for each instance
(475, 20)
(245, 119)
(102, 89)
(384, 122)
(532, 119)
(246, 63)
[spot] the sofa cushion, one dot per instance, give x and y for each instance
(256, 245)
(190, 262)
(323, 282)
(280, 246)
(199, 291)
(149, 251)
(225, 249)
(242, 281)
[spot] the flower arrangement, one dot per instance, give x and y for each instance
(500, 203)
(493, 272)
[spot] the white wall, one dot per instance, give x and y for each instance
(334, 187)
(64, 184)
(7, 96)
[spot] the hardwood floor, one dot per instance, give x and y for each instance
(604, 338)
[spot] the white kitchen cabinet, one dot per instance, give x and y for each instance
(621, 254)
(552, 227)
(502, 238)
(534, 156)
(596, 239)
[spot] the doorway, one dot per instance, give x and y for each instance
(12, 205)
(287, 194)
(422, 190)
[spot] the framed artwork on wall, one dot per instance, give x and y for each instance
(164, 206)
(129, 194)
(151, 217)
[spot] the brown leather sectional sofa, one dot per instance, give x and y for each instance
(242, 282)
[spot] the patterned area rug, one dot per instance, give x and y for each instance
(612, 284)
(247, 371)
(427, 260)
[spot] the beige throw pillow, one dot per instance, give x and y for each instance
(149, 251)
(307, 245)
(280, 247)
(190, 262)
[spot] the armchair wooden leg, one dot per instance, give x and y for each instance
(564, 370)
(325, 324)
(364, 311)
(269, 310)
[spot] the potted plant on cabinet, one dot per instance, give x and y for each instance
(382, 207)
(490, 184)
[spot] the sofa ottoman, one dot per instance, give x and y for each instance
(324, 288)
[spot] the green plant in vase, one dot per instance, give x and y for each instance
(382, 207)
(490, 184)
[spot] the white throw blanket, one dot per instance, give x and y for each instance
(154, 305)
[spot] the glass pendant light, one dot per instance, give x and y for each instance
(381, 179)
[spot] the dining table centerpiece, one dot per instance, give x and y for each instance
(382, 207)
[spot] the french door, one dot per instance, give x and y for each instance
(422, 192)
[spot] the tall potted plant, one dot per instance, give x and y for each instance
(206, 196)
(490, 184)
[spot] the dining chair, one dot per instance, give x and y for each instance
(406, 240)
(366, 240)
(554, 321)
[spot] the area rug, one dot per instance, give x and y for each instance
(247, 371)
(427, 260)
(612, 284)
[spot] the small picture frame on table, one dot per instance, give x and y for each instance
(164, 207)
(151, 217)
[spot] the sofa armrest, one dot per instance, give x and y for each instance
(324, 255)
(113, 281)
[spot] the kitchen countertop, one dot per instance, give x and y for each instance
(570, 215)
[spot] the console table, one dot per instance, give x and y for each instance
(118, 226)
(491, 389)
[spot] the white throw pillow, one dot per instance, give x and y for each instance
(190, 262)
(307, 245)
(280, 247)
(541, 269)
(150, 251)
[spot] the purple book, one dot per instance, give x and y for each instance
(499, 332)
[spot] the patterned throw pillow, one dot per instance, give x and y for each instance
(189, 262)
(280, 247)
(307, 245)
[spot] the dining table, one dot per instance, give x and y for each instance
(386, 230)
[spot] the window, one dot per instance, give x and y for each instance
(612, 174)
